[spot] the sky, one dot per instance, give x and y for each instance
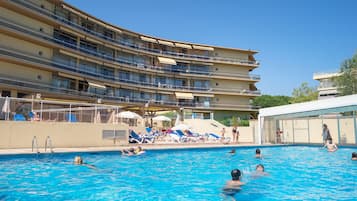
(295, 38)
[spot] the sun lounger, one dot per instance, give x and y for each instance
(19, 117)
(217, 138)
(135, 138)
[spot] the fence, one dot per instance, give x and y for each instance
(343, 130)
(19, 109)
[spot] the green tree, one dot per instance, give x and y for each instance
(347, 81)
(304, 93)
(271, 101)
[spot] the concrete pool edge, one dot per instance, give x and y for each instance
(145, 146)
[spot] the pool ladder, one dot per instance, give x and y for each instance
(48, 144)
(35, 144)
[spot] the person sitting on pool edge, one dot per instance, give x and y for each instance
(258, 153)
(233, 186)
(354, 156)
(79, 161)
(331, 147)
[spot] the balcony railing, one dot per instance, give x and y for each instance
(44, 88)
(128, 45)
(93, 75)
(121, 61)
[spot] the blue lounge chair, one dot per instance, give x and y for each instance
(215, 137)
(70, 117)
(135, 138)
(19, 117)
(178, 136)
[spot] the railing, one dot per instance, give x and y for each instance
(36, 60)
(36, 87)
(35, 145)
(48, 144)
(132, 46)
(127, 63)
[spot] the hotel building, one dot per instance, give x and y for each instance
(53, 50)
(327, 88)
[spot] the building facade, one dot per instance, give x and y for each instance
(53, 50)
(327, 88)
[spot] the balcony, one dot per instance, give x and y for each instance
(93, 75)
(132, 46)
(121, 61)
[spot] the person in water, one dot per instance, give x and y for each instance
(331, 147)
(258, 153)
(133, 151)
(260, 170)
(79, 161)
(233, 186)
(233, 151)
(354, 156)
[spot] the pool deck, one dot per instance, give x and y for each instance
(145, 146)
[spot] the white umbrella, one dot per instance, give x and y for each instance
(128, 115)
(181, 127)
(6, 107)
(161, 118)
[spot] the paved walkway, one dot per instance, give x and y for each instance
(119, 147)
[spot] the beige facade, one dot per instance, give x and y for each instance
(62, 134)
(59, 48)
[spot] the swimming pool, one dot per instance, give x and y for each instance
(296, 173)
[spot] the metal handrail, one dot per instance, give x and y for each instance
(127, 44)
(35, 144)
(48, 143)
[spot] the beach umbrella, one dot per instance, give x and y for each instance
(161, 118)
(181, 127)
(6, 107)
(128, 115)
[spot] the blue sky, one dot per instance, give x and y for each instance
(295, 38)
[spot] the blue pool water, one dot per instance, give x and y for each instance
(296, 173)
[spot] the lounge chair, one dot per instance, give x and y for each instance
(19, 117)
(178, 136)
(135, 138)
(217, 138)
(71, 117)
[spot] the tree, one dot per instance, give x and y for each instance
(271, 101)
(304, 93)
(347, 81)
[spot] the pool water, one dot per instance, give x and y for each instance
(295, 173)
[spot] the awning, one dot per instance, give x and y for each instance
(198, 47)
(166, 43)
(151, 40)
(204, 95)
(168, 61)
(96, 84)
(187, 96)
(183, 45)
(70, 76)
(74, 11)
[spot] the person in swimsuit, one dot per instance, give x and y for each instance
(354, 156)
(233, 186)
(258, 153)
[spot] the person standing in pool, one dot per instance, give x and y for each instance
(331, 147)
(354, 156)
(258, 153)
(233, 186)
(326, 135)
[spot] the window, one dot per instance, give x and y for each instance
(6, 93)
(66, 39)
(88, 46)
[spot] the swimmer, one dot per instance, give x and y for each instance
(79, 161)
(260, 171)
(128, 152)
(233, 186)
(354, 156)
(258, 153)
(233, 151)
(331, 147)
(139, 151)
